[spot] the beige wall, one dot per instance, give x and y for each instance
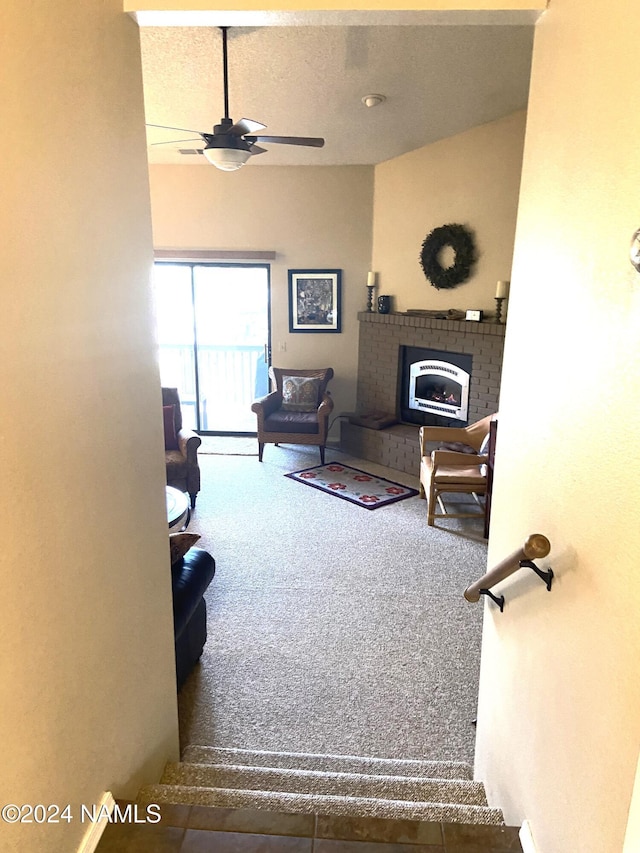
(559, 716)
(87, 674)
(313, 218)
(472, 179)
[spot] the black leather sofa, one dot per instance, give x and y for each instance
(190, 578)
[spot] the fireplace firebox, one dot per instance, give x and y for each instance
(434, 386)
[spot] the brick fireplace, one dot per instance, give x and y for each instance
(381, 338)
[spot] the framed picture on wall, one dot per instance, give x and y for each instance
(315, 300)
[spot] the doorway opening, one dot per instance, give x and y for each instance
(213, 325)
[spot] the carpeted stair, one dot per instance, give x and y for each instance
(325, 784)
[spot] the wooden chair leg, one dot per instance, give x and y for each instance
(322, 454)
(431, 505)
(260, 449)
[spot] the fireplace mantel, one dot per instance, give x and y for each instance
(381, 336)
(419, 321)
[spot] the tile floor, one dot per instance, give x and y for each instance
(196, 829)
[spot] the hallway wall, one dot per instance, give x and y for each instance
(87, 667)
(559, 714)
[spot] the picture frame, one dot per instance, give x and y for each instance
(315, 300)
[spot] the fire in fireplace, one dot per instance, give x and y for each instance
(434, 385)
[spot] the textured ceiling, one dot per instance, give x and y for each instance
(309, 80)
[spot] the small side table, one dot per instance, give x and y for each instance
(178, 512)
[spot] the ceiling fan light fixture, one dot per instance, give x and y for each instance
(373, 100)
(227, 159)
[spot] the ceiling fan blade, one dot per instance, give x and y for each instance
(182, 129)
(310, 141)
(175, 141)
(255, 149)
(245, 125)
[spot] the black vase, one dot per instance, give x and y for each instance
(384, 304)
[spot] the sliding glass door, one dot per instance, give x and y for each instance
(213, 331)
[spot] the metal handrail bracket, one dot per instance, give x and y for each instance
(536, 547)
(547, 576)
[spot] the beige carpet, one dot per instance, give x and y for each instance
(228, 445)
(332, 629)
(325, 784)
(355, 788)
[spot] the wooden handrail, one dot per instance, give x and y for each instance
(535, 547)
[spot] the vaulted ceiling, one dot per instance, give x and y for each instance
(438, 78)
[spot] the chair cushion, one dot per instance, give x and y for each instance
(170, 437)
(460, 476)
(176, 463)
(300, 393)
(457, 446)
(453, 476)
(303, 422)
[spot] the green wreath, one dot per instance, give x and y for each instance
(460, 239)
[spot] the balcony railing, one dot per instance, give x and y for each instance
(229, 380)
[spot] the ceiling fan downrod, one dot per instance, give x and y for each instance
(225, 71)
(230, 145)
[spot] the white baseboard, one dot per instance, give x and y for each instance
(94, 832)
(526, 838)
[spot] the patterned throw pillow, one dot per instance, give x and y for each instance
(179, 544)
(300, 393)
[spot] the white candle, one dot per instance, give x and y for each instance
(502, 289)
(371, 279)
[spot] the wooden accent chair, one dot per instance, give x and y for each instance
(458, 465)
(297, 410)
(180, 447)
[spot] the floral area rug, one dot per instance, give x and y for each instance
(353, 485)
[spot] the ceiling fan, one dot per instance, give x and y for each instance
(230, 145)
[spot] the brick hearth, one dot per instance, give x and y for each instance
(381, 336)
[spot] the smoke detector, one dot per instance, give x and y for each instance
(373, 100)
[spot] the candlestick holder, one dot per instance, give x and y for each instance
(499, 301)
(370, 289)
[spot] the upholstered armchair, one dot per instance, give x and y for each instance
(180, 447)
(457, 465)
(297, 409)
